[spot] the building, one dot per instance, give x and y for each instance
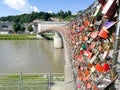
(5, 27)
(48, 24)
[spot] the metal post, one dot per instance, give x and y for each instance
(21, 83)
(49, 81)
(116, 48)
(116, 44)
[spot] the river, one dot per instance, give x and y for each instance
(30, 56)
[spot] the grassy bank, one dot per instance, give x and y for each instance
(18, 37)
(28, 82)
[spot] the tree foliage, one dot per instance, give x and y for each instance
(16, 27)
(25, 18)
(30, 28)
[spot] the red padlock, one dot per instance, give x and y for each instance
(103, 33)
(106, 67)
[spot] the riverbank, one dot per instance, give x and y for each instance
(35, 81)
(25, 37)
(18, 37)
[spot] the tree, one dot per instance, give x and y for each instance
(30, 28)
(16, 27)
(22, 28)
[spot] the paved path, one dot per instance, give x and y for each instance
(58, 85)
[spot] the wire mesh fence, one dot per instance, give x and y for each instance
(34, 81)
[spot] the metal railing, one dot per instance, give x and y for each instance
(30, 81)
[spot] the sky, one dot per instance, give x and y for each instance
(17, 7)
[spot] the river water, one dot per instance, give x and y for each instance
(30, 56)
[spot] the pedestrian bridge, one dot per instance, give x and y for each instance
(91, 47)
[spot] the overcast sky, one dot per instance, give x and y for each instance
(16, 7)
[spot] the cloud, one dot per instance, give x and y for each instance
(21, 5)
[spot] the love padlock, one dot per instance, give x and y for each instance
(106, 52)
(106, 67)
(85, 38)
(92, 45)
(109, 9)
(81, 27)
(83, 46)
(90, 40)
(103, 33)
(94, 58)
(91, 27)
(98, 11)
(94, 34)
(99, 68)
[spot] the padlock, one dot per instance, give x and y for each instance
(94, 57)
(99, 68)
(86, 22)
(90, 40)
(87, 72)
(100, 48)
(92, 69)
(86, 78)
(98, 23)
(85, 38)
(109, 24)
(98, 11)
(109, 9)
(103, 33)
(91, 27)
(106, 67)
(81, 27)
(90, 54)
(94, 34)
(83, 46)
(106, 52)
(92, 45)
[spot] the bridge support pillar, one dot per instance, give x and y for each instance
(58, 42)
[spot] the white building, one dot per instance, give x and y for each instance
(48, 24)
(5, 27)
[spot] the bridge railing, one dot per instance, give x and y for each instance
(31, 81)
(86, 41)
